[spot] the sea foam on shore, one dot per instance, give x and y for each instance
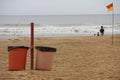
(55, 30)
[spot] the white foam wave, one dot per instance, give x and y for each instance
(55, 30)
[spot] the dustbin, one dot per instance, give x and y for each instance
(17, 57)
(44, 57)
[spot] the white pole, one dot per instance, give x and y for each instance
(113, 26)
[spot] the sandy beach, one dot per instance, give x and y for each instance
(77, 58)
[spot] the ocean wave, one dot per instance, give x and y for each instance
(55, 30)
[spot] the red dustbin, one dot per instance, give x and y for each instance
(44, 58)
(17, 57)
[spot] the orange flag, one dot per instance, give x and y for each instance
(110, 7)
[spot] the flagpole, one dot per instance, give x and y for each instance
(112, 27)
(110, 7)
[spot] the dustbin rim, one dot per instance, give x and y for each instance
(46, 49)
(13, 47)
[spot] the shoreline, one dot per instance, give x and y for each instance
(7, 37)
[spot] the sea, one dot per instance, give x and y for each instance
(58, 25)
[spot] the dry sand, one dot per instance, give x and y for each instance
(77, 58)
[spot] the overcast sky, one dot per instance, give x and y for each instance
(56, 7)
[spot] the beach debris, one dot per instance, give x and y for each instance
(58, 79)
(98, 34)
(76, 30)
(9, 39)
(21, 75)
(101, 73)
(38, 38)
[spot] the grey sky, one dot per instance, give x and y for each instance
(56, 7)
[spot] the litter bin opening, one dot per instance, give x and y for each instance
(45, 49)
(12, 47)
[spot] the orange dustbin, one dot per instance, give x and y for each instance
(17, 57)
(44, 57)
